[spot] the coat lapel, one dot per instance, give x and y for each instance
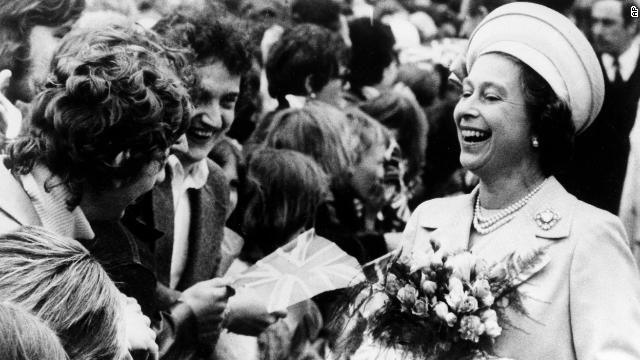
(450, 224)
(529, 236)
(163, 218)
(208, 210)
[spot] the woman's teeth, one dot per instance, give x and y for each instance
(202, 133)
(475, 135)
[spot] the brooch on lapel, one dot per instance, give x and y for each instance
(546, 219)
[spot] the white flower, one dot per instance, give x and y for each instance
(490, 320)
(429, 287)
(481, 289)
(461, 264)
(441, 309)
(451, 319)
(407, 295)
(456, 293)
(471, 327)
(469, 305)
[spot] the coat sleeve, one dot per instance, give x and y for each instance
(604, 292)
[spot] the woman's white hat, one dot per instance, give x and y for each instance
(552, 46)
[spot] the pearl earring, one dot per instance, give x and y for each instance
(534, 142)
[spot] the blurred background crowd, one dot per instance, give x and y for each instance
(181, 141)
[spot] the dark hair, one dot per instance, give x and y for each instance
(371, 51)
(264, 13)
(424, 80)
(211, 35)
(489, 5)
(83, 42)
(403, 114)
(551, 120)
(305, 50)
(58, 280)
(109, 101)
(325, 13)
(284, 190)
(560, 6)
(24, 336)
(248, 105)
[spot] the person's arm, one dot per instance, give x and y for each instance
(604, 293)
(190, 321)
(248, 315)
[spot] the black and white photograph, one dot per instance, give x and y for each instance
(319, 180)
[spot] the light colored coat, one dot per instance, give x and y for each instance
(583, 299)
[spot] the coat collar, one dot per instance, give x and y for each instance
(14, 200)
(449, 222)
(451, 218)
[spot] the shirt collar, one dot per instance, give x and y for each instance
(627, 60)
(194, 179)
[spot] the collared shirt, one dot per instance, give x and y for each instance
(51, 204)
(627, 61)
(180, 183)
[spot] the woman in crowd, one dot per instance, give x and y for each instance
(283, 190)
(533, 82)
(308, 61)
(405, 119)
(352, 153)
(351, 218)
(299, 129)
(56, 279)
(25, 337)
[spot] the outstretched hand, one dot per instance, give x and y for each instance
(138, 332)
(208, 300)
(9, 113)
(248, 314)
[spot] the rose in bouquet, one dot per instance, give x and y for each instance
(439, 305)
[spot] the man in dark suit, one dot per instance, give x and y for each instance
(602, 151)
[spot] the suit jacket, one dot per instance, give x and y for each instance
(208, 209)
(583, 299)
(606, 143)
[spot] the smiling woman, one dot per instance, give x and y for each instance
(528, 91)
(493, 129)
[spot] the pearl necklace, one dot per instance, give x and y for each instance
(485, 225)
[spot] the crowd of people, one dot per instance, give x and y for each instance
(153, 150)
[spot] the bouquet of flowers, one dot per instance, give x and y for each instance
(437, 305)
